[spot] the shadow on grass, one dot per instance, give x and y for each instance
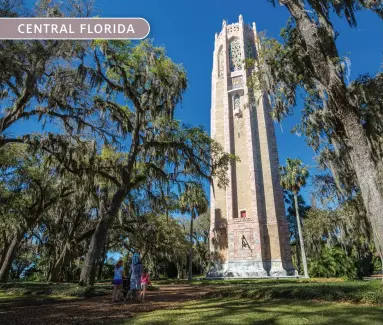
(244, 311)
(356, 291)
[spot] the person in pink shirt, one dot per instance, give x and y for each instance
(145, 281)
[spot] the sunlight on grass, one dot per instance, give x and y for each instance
(5, 296)
(244, 311)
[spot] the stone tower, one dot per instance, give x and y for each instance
(248, 229)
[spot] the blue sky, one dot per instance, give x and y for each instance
(186, 29)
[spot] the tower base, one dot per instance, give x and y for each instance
(252, 269)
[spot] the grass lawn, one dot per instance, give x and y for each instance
(26, 290)
(38, 290)
(342, 291)
(242, 302)
(274, 302)
(294, 289)
(259, 312)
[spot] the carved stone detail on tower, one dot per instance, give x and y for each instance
(235, 83)
(248, 228)
(221, 63)
(233, 28)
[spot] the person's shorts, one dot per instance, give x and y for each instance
(117, 282)
(144, 285)
(135, 284)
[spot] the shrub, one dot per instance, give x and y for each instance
(377, 264)
(333, 262)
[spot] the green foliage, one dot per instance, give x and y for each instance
(345, 227)
(107, 271)
(164, 157)
(296, 67)
(32, 75)
(201, 256)
(161, 240)
(120, 152)
(35, 275)
(141, 161)
(332, 263)
(291, 213)
(377, 264)
(48, 214)
(193, 200)
(294, 175)
(342, 8)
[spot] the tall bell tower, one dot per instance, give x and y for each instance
(248, 228)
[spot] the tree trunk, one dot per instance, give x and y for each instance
(9, 257)
(179, 271)
(322, 51)
(102, 260)
(297, 247)
(88, 271)
(63, 260)
(54, 273)
(190, 275)
(366, 174)
(381, 260)
(13, 247)
(4, 251)
(304, 261)
(100, 267)
(66, 255)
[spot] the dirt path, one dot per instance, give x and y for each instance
(97, 310)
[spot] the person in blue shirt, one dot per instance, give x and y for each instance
(117, 279)
(135, 273)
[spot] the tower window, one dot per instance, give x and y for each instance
(235, 57)
(242, 213)
(250, 49)
(237, 106)
(237, 102)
